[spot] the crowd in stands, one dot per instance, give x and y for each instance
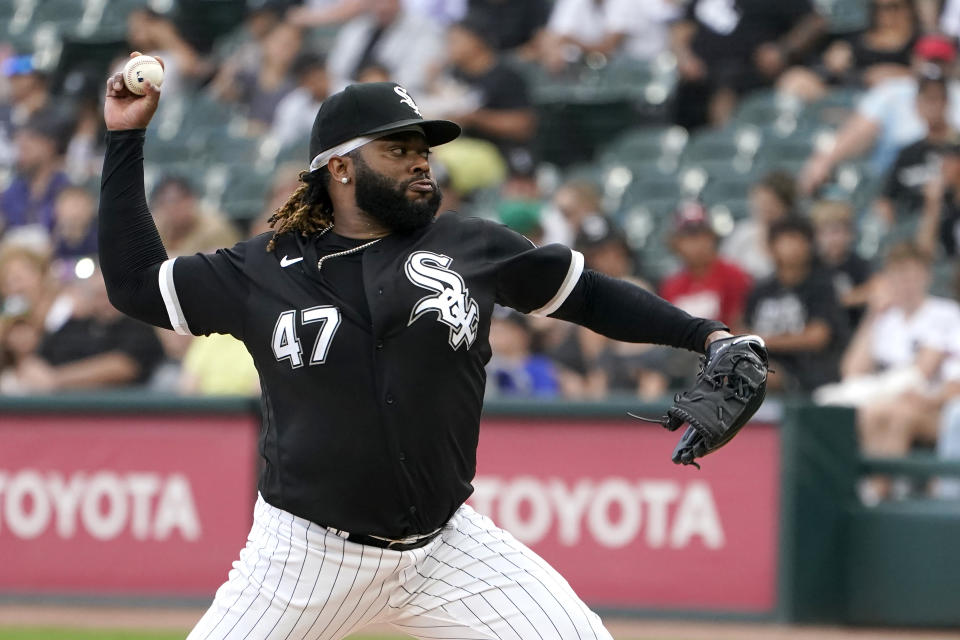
(849, 280)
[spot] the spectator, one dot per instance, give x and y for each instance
(896, 358)
(30, 198)
(706, 285)
(153, 33)
(295, 113)
(19, 341)
(605, 249)
(74, 227)
(317, 14)
(513, 369)
(917, 163)
(405, 43)
(796, 312)
(580, 28)
(575, 201)
(948, 437)
(96, 348)
(259, 90)
(864, 59)
(948, 429)
(939, 226)
(29, 96)
(589, 364)
(886, 117)
(183, 225)
(725, 49)
(373, 73)
(83, 158)
(27, 290)
(833, 227)
(31, 305)
(510, 25)
(771, 199)
(217, 365)
(243, 48)
(486, 97)
(523, 216)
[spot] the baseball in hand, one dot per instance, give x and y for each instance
(140, 69)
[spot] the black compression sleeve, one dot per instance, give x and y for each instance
(623, 311)
(131, 251)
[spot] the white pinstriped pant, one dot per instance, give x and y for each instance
(297, 581)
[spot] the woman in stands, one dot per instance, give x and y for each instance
(863, 59)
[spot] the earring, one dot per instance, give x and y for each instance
(344, 180)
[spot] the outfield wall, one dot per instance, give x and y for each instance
(118, 496)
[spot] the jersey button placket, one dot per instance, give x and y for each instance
(389, 398)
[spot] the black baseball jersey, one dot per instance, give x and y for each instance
(372, 375)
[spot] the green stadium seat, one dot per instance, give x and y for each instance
(646, 144)
(770, 110)
(61, 12)
(224, 147)
(844, 16)
(738, 142)
(176, 150)
(723, 189)
(245, 192)
(114, 15)
(944, 279)
(646, 188)
(833, 109)
(642, 221)
(724, 214)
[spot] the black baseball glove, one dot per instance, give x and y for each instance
(729, 390)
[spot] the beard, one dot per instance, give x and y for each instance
(386, 201)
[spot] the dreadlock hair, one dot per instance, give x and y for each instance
(308, 210)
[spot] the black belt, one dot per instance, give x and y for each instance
(394, 544)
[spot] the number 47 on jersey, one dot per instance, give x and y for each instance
(286, 342)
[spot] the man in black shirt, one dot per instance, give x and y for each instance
(503, 112)
(727, 47)
(95, 348)
(511, 24)
(368, 321)
(796, 312)
(919, 163)
(939, 227)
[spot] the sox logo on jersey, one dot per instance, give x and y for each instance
(451, 300)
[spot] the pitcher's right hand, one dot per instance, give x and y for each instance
(123, 109)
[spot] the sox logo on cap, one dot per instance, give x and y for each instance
(400, 91)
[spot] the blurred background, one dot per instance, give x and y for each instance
(790, 168)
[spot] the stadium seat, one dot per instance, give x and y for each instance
(844, 16)
(771, 111)
(833, 109)
(223, 146)
(726, 188)
(727, 213)
(642, 144)
(245, 191)
(737, 144)
(61, 12)
(646, 188)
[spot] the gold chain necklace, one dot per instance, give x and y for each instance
(343, 253)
